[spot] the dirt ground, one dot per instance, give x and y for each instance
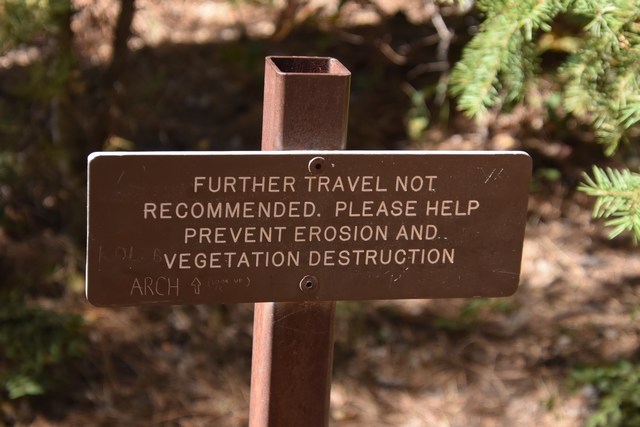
(194, 81)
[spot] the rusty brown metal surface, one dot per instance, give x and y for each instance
(163, 230)
(292, 363)
(306, 105)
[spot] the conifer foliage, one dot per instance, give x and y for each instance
(618, 199)
(600, 77)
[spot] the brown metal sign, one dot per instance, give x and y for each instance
(201, 228)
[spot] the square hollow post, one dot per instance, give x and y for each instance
(306, 102)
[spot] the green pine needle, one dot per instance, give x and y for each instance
(617, 194)
(500, 59)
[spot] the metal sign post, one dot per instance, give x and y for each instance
(306, 103)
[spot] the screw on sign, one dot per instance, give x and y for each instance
(294, 228)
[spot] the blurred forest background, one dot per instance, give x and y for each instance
(556, 78)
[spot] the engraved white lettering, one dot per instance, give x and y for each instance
(345, 233)
(353, 184)
(222, 210)
(370, 208)
(244, 184)
(220, 235)
(369, 257)
(417, 232)
(215, 260)
(450, 207)
(415, 183)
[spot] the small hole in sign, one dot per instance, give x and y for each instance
(308, 284)
(316, 165)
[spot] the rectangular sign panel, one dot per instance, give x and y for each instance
(201, 228)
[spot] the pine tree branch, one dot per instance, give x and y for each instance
(617, 195)
(497, 57)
